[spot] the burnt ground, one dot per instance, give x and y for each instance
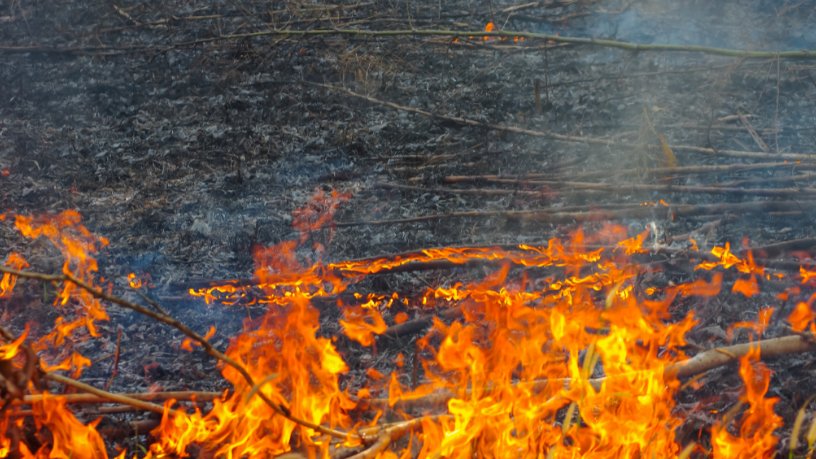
(187, 142)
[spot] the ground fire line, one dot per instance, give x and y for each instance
(561, 350)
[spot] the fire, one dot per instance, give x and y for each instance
(756, 432)
(563, 350)
(134, 281)
(7, 282)
(491, 27)
(69, 437)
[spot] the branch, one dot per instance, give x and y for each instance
(703, 169)
(564, 137)
(384, 435)
(506, 34)
(109, 396)
(198, 396)
(168, 320)
(509, 34)
(768, 349)
(667, 188)
(601, 214)
(105, 396)
(700, 363)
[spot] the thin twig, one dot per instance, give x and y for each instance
(117, 353)
(88, 398)
(702, 169)
(475, 191)
(110, 396)
(668, 188)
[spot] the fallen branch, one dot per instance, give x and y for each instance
(88, 398)
(110, 396)
(428, 258)
(666, 188)
(129, 429)
(419, 324)
(395, 431)
(549, 216)
(506, 34)
(700, 363)
(564, 137)
(717, 357)
(476, 191)
(704, 169)
(771, 250)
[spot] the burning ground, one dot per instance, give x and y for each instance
(456, 244)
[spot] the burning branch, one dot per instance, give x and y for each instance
(198, 396)
(768, 349)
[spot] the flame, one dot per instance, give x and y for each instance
(318, 213)
(489, 27)
(79, 311)
(535, 335)
(16, 261)
(521, 355)
(71, 438)
(756, 430)
(570, 362)
(9, 350)
(79, 308)
(134, 281)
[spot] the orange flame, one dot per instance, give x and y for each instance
(80, 308)
(570, 363)
(16, 261)
(134, 281)
(756, 432)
